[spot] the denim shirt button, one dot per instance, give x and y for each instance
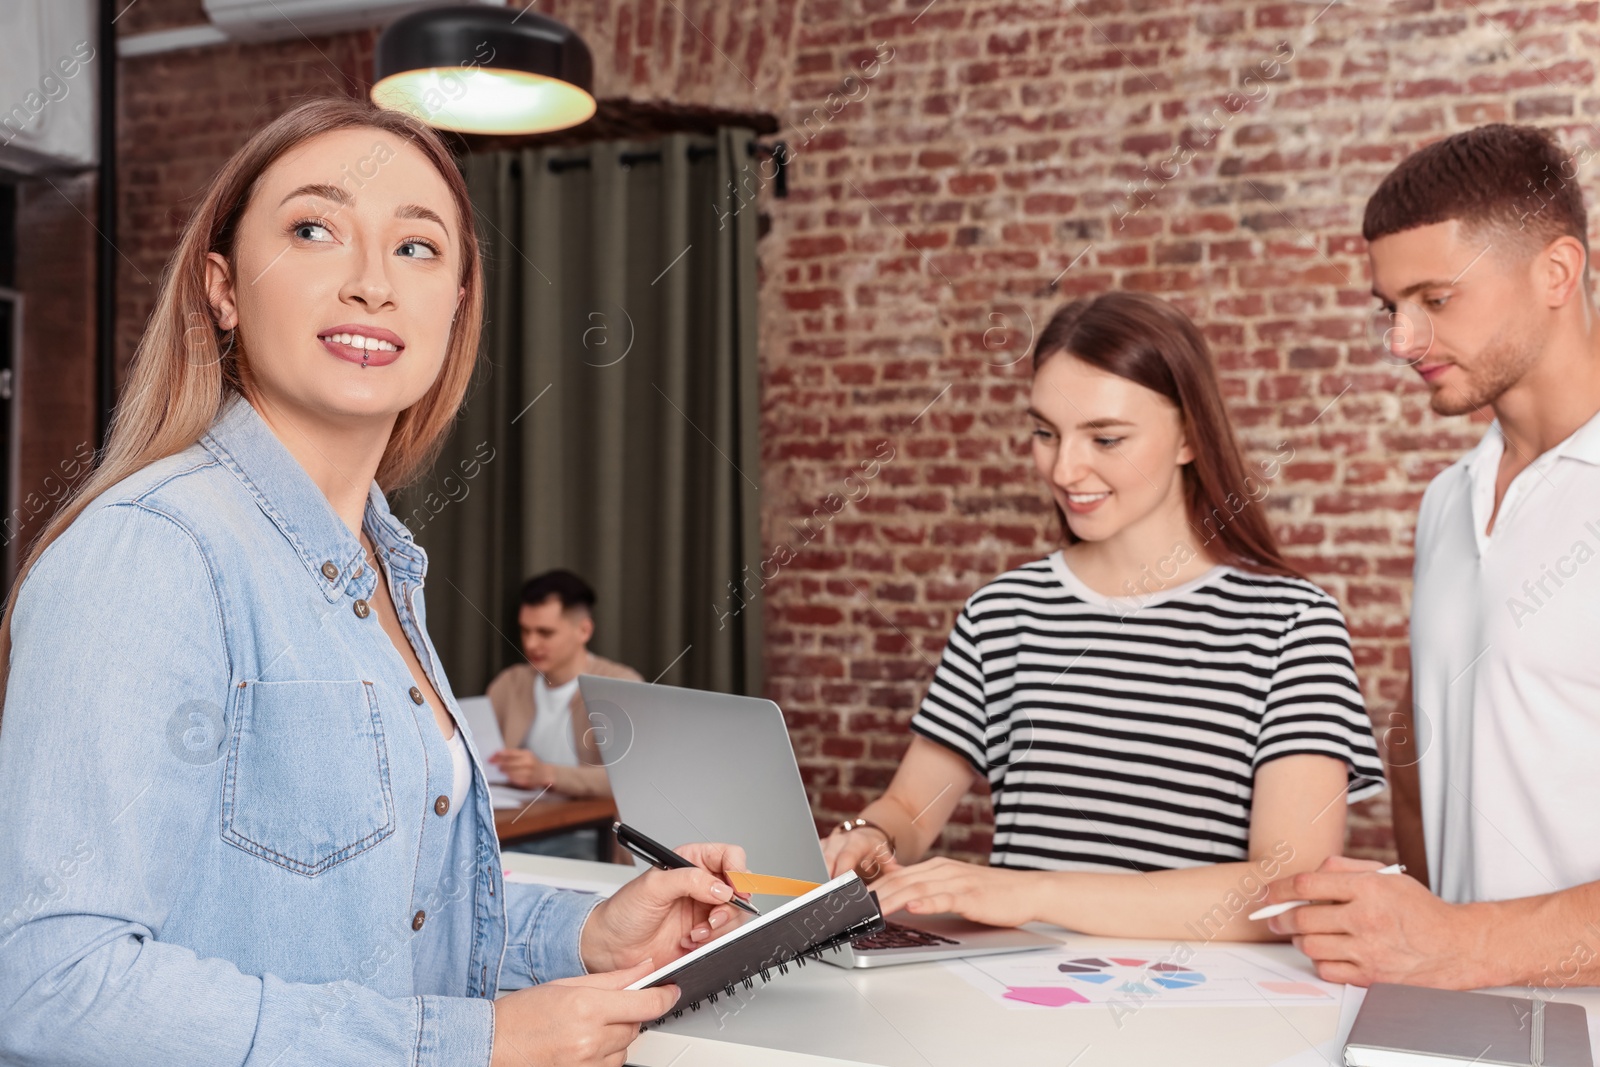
(416, 695)
(361, 609)
(442, 805)
(329, 571)
(418, 919)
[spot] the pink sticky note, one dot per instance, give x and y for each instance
(1294, 989)
(1048, 996)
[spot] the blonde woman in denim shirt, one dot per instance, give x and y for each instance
(241, 824)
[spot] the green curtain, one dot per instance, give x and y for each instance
(612, 427)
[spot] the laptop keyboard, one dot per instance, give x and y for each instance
(894, 935)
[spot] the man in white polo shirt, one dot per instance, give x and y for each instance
(1479, 251)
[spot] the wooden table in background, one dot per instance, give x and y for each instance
(545, 817)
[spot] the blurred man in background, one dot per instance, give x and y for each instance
(540, 709)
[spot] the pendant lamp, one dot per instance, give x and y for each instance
(484, 70)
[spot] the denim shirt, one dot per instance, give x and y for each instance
(226, 836)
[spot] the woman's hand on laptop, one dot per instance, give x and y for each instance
(863, 851)
(664, 914)
(982, 894)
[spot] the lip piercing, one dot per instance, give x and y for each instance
(364, 358)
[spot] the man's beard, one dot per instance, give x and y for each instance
(1500, 364)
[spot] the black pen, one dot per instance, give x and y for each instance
(658, 855)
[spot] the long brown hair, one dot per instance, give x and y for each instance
(182, 373)
(1153, 344)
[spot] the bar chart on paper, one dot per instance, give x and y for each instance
(1139, 978)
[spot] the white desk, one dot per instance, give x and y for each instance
(923, 1015)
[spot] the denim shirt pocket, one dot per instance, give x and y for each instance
(307, 780)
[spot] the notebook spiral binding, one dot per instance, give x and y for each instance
(832, 944)
(851, 911)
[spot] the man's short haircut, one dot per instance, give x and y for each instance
(572, 591)
(1515, 182)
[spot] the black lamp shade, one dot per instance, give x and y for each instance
(484, 70)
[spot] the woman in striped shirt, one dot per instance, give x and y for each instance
(1166, 712)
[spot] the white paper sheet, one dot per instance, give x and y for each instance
(508, 796)
(485, 731)
(1128, 979)
(1330, 1053)
(558, 881)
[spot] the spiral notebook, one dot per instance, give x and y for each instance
(830, 916)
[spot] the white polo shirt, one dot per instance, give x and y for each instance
(1505, 652)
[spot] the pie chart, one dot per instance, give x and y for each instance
(1131, 975)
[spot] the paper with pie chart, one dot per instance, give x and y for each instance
(1134, 977)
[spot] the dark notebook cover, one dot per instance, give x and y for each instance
(1480, 1028)
(828, 917)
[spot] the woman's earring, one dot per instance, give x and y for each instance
(232, 334)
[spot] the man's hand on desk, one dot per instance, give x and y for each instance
(1363, 929)
(982, 894)
(664, 914)
(524, 769)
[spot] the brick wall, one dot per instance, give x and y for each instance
(1000, 158)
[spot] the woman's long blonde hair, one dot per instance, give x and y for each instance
(182, 373)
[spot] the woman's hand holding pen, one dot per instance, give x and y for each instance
(664, 914)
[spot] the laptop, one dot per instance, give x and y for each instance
(687, 765)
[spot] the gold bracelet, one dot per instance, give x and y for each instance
(859, 823)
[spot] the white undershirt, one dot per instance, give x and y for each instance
(1504, 630)
(461, 771)
(550, 735)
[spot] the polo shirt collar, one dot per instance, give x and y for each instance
(1482, 468)
(243, 443)
(1584, 442)
(1581, 443)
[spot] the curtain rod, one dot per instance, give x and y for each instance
(628, 159)
(778, 151)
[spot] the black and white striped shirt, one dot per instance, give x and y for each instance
(1123, 733)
